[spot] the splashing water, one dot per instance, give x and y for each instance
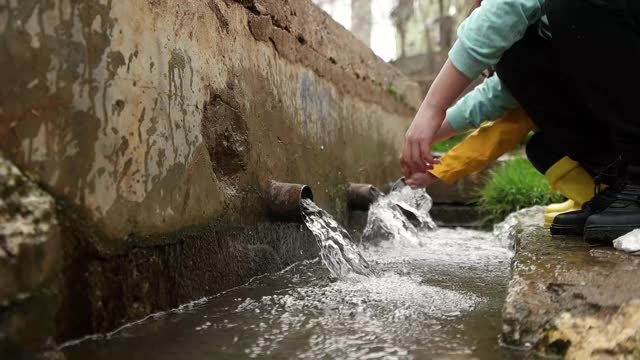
(414, 204)
(505, 231)
(398, 217)
(337, 251)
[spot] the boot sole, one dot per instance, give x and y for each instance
(605, 234)
(566, 230)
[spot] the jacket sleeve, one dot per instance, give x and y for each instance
(483, 146)
(488, 101)
(489, 31)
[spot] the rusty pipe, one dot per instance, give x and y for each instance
(284, 200)
(361, 196)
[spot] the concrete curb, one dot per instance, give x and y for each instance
(568, 299)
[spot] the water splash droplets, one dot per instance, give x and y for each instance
(398, 218)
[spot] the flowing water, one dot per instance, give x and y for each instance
(408, 291)
(337, 251)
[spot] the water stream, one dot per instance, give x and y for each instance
(408, 290)
(337, 251)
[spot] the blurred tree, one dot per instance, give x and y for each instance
(427, 26)
(361, 20)
(400, 17)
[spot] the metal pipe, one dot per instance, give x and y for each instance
(361, 196)
(284, 200)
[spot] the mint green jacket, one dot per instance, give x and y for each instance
(482, 39)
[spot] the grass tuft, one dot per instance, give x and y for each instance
(446, 145)
(513, 186)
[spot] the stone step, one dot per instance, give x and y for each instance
(569, 299)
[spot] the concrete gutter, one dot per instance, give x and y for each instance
(568, 299)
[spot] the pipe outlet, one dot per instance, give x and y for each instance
(284, 200)
(361, 196)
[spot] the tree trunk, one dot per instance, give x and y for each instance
(361, 22)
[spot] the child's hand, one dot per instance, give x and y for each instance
(421, 180)
(416, 153)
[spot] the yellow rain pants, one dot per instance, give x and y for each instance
(484, 145)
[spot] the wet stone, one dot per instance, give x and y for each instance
(462, 192)
(453, 215)
(563, 293)
(30, 260)
(616, 335)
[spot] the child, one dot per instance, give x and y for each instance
(545, 53)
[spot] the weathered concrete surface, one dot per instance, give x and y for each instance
(158, 125)
(101, 295)
(152, 115)
(566, 298)
(615, 336)
(30, 263)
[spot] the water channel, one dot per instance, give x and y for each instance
(409, 291)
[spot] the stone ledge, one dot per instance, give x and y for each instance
(462, 192)
(569, 299)
(466, 190)
(451, 215)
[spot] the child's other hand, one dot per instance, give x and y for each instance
(421, 180)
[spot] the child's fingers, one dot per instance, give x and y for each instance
(425, 152)
(404, 164)
(430, 165)
(417, 164)
(416, 158)
(414, 154)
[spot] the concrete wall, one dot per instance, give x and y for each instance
(157, 124)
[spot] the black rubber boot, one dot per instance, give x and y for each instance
(619, 218)
(572, 223)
